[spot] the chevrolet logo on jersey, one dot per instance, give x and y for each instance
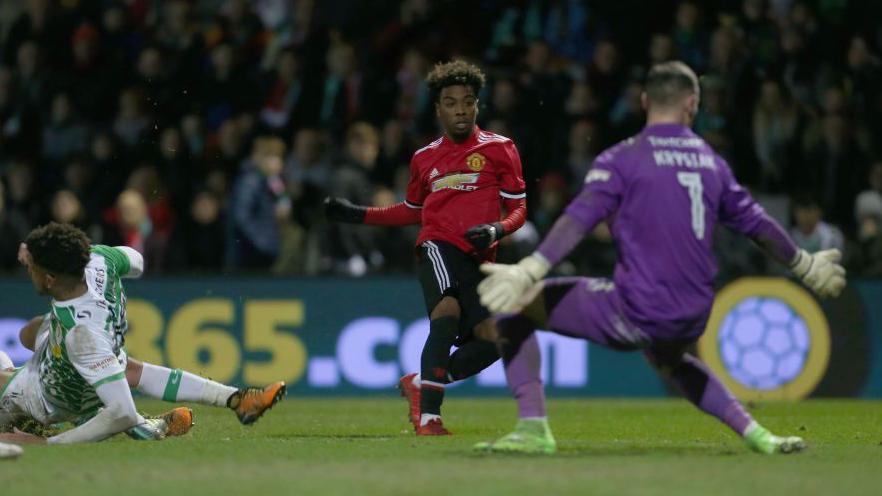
(462, 182)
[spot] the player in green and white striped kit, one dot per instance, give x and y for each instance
(79, 366)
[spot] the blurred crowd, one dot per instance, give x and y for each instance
(206, 133)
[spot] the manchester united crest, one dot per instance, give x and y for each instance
(476, 162)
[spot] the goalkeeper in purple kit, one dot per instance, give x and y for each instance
(662, 192)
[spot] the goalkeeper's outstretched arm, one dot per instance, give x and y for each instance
(820, 271)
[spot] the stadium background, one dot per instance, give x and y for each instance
(206, 133)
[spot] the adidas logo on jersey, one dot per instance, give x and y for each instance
(434, 173)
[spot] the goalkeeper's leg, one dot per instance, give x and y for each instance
(578, 307)
(177, 385)
(702, 387)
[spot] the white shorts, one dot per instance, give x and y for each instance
(22, 398)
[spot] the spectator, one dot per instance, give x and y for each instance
(175, 94)
(21, 200)
(584, 145)
(131, 121)
(93, 77)
(353, 248)
(775, 127)
(712, 121)
(832, 168)
(176, 168)
(226, 91)
(867, 260)
(19, 126)
(67, 209)
(198, 244)
(810, 232)
(131, 226)
(288, 101)
(13, 229)
(260, 203)
(63, 136)
(689, 37)
(343, 92)
(661, 49)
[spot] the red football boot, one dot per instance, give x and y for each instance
(411, 393)
(433, 427)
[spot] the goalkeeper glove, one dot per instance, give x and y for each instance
(343, 210)
(505, 285)
(820, 271)
(484, 235)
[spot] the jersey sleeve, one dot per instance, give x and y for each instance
(511, 175)
(740, 212)
(601, 193)
(91, 354)
(124, 261)
(416, 191)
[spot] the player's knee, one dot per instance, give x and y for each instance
(447, 307)
(133, 372)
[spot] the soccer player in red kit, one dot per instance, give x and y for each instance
(458, 186)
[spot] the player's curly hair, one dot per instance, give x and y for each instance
(61, 249)
(453, 73)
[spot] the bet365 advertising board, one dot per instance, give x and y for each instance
(767, 338)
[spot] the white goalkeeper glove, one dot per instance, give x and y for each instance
(820, 271)
(505, 285)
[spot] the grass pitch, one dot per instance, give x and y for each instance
(364, 446)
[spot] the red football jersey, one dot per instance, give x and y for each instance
(461, 185)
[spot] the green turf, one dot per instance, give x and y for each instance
(357, 447)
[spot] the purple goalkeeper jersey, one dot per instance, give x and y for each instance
(662, 193)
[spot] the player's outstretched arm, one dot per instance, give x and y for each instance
(400, 214)
(118, 415)
(820, 271)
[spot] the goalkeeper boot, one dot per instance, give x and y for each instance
(759, 439)
(411, 392)
(251, 403)
(433, 427)
(531, 436)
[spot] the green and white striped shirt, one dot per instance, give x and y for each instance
(86, 336)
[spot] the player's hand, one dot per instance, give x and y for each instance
(503, 290)
(343, 210)
(484, 235)
(19, 437)
(820, 271)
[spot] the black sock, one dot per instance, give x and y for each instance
(433, 364)
(471, 358)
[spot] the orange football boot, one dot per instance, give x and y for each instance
(178, 421)
(251, 403)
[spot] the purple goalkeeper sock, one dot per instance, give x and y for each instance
(520, 354)
(705, 391)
